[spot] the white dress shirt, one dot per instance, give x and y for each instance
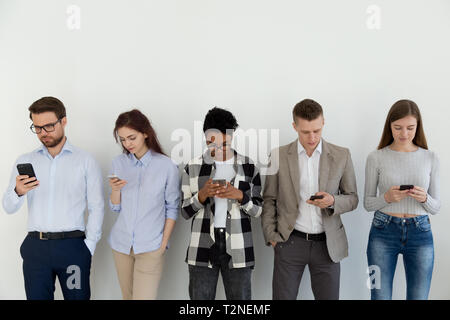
(69, 184)
(310, 217)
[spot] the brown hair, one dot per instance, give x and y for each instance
(399, 110)
(307, 109)
(136, 120)
(48, 104)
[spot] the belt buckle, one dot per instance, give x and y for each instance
(307, 237)
(40, 236)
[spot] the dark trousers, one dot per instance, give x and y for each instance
(291, 257)
(203, 280)
(43, 260)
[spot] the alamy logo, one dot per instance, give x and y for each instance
(255, 143)
(373, 21)
(374, 280)
(74, 280)
(74, 17)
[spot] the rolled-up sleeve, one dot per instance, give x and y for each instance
(252, 199)
(172, 193)
(114, 207)
(191, 205)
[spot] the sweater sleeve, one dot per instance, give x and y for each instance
(372, 202)
(433, 202)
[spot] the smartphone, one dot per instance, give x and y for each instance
(221, 182)
(113, 176)
(406, 187)
(316, 197)
(26, 169)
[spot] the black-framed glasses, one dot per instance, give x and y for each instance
(50, 127)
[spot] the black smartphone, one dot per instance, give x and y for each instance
(221, 182)
(316, 197)
(26, 169)
(406, 187)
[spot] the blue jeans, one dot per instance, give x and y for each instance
(411, 237)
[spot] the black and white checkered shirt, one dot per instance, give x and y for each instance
(239, 242)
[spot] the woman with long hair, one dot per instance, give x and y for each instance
(145, 191)
(406, 175)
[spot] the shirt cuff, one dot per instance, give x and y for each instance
(12, 201)
(196, 203)
(172, 215)
(15, 197)
(115, 207)
(91, 245)
(245, 199)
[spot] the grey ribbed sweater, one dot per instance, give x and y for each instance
(386, 168)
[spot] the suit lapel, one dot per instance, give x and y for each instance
(294, 169)
(324, 166)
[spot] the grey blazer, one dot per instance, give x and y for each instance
(282, 195)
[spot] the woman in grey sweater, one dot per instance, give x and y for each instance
(406, 175)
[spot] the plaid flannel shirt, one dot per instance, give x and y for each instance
(239, 242)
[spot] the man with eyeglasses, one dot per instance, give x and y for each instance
(68, 180)
(221, 192)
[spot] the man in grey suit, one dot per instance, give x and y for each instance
(304, 231)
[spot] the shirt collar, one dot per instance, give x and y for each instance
(144, 161)
(300, 148)
(67, 147)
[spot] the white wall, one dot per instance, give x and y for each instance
(176, 59)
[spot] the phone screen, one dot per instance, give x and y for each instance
(221, 182)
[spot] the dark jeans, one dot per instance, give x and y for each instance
(411, 237)
(203, 280)
(43, 260)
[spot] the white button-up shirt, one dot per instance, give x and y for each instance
(69, 183)
(310, 218)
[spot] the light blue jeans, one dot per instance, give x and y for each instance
(411, 237)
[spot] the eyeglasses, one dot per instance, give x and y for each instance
(50, 127)
(212, 145)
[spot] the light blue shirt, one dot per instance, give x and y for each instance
(68, 184)
(151, 196)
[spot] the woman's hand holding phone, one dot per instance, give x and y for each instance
(116, 183)
(418, 193)
(394, 194)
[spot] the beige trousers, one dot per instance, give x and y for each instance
(139, 274)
